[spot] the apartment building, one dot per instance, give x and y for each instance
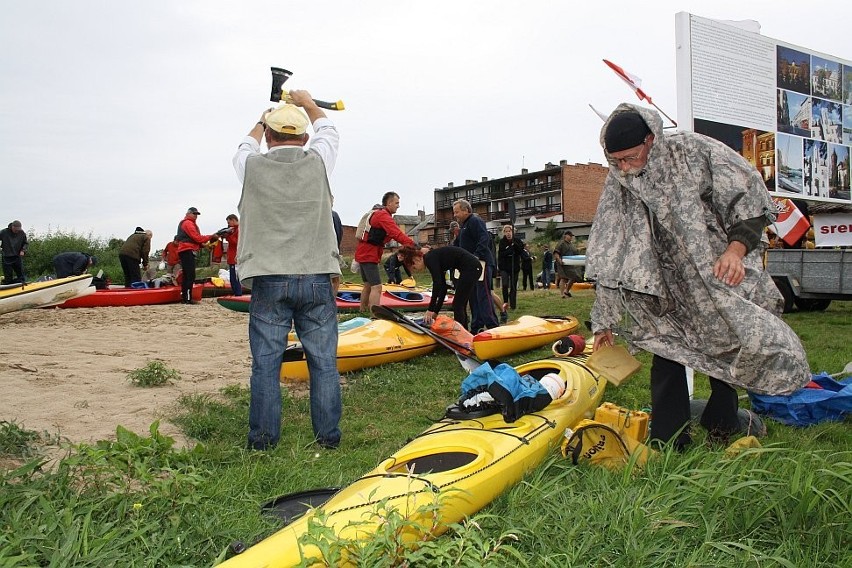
(565, 194)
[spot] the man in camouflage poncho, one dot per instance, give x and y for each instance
(676, 250)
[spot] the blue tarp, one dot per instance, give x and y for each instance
(825, 400)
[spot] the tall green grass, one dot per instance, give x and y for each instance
(140, 502)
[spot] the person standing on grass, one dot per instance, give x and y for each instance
(190, 239)
(288, 254)
(527, 259)
(438, 261)
(546, 267)
(566, 274)
(676, 251)
(13, 241)
(368, 251)
(475, 239)
(510, 251)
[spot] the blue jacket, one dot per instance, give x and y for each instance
(475, 238)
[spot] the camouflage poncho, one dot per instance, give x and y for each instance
(655, 238)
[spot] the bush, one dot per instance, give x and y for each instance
(38, 261)
(154, 374)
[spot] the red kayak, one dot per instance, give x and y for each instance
(131, 297)
(398, 299)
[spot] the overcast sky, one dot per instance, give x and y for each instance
(116, 114)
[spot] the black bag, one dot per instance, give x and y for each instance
(376, 236)
(99, 283)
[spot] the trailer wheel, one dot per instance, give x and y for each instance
(807, 305)
(786, 293)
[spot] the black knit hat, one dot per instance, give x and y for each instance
(625, 130)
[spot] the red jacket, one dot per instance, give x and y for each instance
(232, 244)
(189, 228)
(170, 254)
(365, 252)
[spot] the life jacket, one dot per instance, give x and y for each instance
(367, 233)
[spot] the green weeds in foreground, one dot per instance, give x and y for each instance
(139, 501)
(154, 374)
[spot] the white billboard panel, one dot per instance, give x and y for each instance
(786, 109)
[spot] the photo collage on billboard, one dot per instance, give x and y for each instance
(814, 131)
(808, 153)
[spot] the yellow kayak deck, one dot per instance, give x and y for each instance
(369, 345)
(522, 334)
(457, 465)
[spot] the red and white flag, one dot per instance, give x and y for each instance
(631, 79)
(790, 225)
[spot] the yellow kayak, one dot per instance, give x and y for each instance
(523, 334)
(43, 294)
(369, 345)
(462, 465)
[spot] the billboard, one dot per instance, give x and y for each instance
(786, 109)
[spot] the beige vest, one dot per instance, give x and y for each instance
(285, 216)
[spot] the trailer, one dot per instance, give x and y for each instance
(811, 278)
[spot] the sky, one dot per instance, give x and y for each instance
(115, 114)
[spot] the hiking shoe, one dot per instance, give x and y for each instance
(504, 316)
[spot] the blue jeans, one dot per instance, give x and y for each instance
(236, 287)
(481, 305)
(276, 302)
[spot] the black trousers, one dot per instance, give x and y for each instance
(509, 283)
(670, 405)
(187, 262)
(527, 277)
(13, 270)
(130, 267)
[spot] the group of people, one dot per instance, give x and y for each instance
(675, 251)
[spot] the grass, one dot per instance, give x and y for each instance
(153, 374)
(140, 502)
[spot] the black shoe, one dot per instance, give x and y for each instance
(328, 445)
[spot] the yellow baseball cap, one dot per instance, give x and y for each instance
(287, 119)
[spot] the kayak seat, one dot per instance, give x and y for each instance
(435, 463)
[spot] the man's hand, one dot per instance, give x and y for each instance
(603, 338)
(429, 317)
(301, 98)
(729, 266)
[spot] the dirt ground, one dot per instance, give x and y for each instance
(64, 372)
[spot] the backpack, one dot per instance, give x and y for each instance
(369, 234)
(600, 444)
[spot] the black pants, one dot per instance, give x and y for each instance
(670, 405)
(13, 265)
(130, 267)
(187, 262)
(464, 285)
(509, 283)
(527, 277)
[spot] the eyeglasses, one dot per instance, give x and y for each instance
(631, 159)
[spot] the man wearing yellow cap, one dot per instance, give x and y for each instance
(288, 255)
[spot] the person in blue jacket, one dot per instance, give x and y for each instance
(72, 263)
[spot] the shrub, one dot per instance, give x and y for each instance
(154, 374)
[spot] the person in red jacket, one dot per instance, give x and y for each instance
(232, 235)
(171, 258)
(190, 239)
(368, 251)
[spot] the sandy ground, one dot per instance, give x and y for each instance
(64, 372)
